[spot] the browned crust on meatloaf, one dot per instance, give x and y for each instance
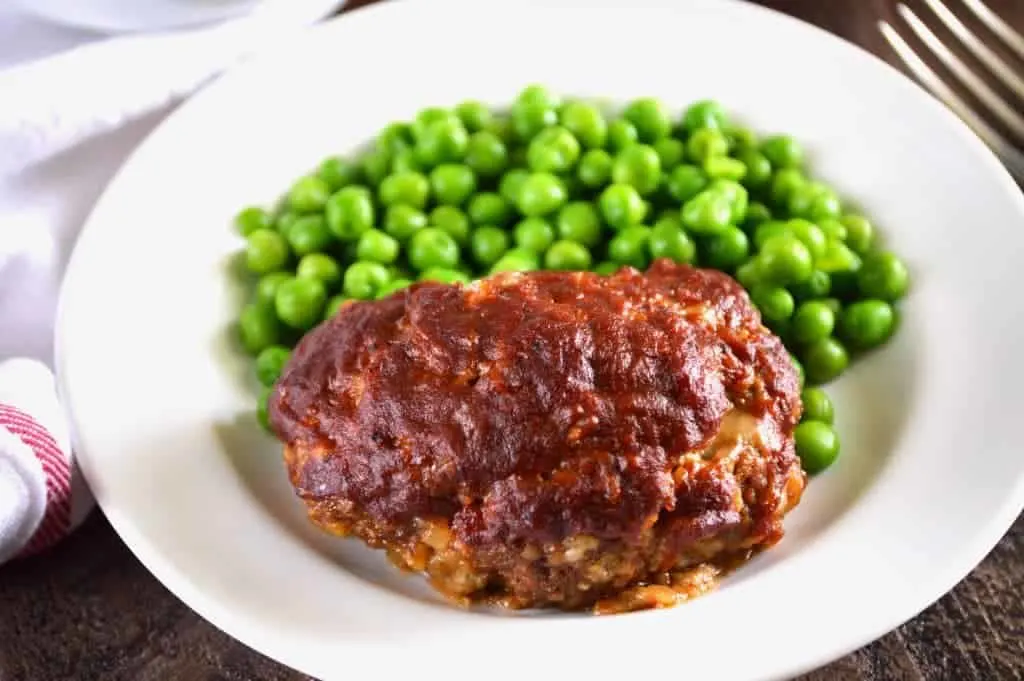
(528, 410)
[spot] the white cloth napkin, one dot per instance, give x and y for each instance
(66, 123)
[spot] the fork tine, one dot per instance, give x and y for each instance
(993, 61)
(976, 85)
(1011, 156)
(1002, 29)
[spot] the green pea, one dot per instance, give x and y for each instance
(453, 221)
(541, 194)
(707, 213)
(824, 360)
(266, 287)
(405, 161)
(621, 206)
(631, 246)
(410, 188)
(308, 235)
(270, 363)
(248, 220)
(512, 183)
(486, 154)
(530, 117)
(444, 275)
(502, 127)
(567, 255)
(785, 260)
(749, 274)
(350, 212)
(860, 235)
(432, 247)
(809, 234)
(452, 183)
(834, 230)
(299, 302)
(637, 165)
(706, 143)
(737, 195)
(258, 328)
(769, 229)
(825, 206)
(818, 285)
(487, 244)
(812, 321)
(308, 195)
(741, 139)
(334, 305)
(442, 141)
(650, 119)
(757, 214)
(671, 152)
(579, 221)
(606, 269)
(538, 94)
(338, 173)
(265, 251)
(322, 267)
(393, 287)
(488, 208)
(375, 165)
(284, 222)
(759, 169)
(801, 377)
(669, 240)
(725, 168)
(586, 123)
(817, 406)
(774, 302)
(595, 168)
(402, 221)
(394, 138)
(817, 445)
(534, 234)
(867, 324)
(685, 182)
(376, 246)
(803, 198)
(516, 260)
(728, 249)
(553, 150)
(785, 182)
(704, 114)
(364, 279)
(474, 115)
(837, 257)
(783, 151)
(621, 134)
(262, 410)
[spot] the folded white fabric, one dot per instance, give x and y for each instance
(66, 124)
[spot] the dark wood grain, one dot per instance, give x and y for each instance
(89, 610)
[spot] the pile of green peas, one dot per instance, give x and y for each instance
(559, 184)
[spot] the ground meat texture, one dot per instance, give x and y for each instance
(549, 438)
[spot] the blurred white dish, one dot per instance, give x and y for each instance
(122, 16)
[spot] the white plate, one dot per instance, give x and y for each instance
(120, 16)
(931, 475)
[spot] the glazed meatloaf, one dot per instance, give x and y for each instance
(550, 438)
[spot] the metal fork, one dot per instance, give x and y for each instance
(1007, 113)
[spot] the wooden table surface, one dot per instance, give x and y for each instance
(88, 610)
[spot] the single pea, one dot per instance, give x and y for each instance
(824, 360)
(338, 173)
(669, 240)
(394, 138)
(579, 221)
(706, 143)
(262, 410)
(299, 302)
(724, 168)
(265, 251)
(402, 221)
(444, 275)
(749, 274)
(405, 161)
(322, 267)
(860, 235)
(453, 221)
(812, 321)
(308, 235)
(486, 154)
(393, 287)
(364, 279)
(727, 250)
(671, 152)
(586, 123)
(817, 406)
(867, 324)
(473, 114)
(621, 206)
(258, 328)
(741, 139)
(649, 117)
(489, 208)
(308, 194)
(516, 260)
(530, 117)
(621, 134)
(284, 221)
(334, 305)
(410, 188)
(802, 198)
(512, 183)
(707, 213)
(452, 183)
(685, 182)
(595, 168)
(376, 246)
(809, 234)
(541, 194)
(837, 257)
(737, 195)
(767, 230)
(442, 141)
(818, 285)
(350, 212)
(266, 287)
(553, 150)
(774, 302)
(432, 247)
(784, 183)
(785, 260)
(759, 169)
(376, 165)
(606, 269)
(248, 220)
(487, 244)
(534, 234)
(631, 246)
(567, 255)
(783, 151)
(270, 363)
(826, 205)
(817, 445)
(705, 114)
(834, 230)
(428, 116)
(637, 165)
(538, 94)
(757, 214)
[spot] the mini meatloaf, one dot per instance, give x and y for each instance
(549, 438)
